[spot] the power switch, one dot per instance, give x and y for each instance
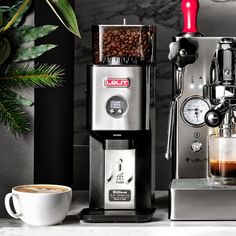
(196, 146)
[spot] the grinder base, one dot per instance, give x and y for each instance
(198, 199)
(109, 216)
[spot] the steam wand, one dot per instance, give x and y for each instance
(182, 53)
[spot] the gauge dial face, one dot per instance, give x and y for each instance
(194, 110)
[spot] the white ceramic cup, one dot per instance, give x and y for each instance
(41, 208)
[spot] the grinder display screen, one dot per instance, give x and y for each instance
(117, 104)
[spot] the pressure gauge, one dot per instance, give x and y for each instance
(193, 111)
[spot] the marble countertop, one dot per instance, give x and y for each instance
(160, 225)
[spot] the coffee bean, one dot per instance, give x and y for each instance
(124, 42)
(122, 37)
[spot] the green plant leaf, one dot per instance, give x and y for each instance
(66, 14)
(18, 76)
(26, 34)
(5, 50)
(16, 12)
(20, 100)
(12, 114)
(25, 54)
(5, 8)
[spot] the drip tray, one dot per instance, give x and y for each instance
(106, 216)
(197, 199)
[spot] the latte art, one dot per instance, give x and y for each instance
(41, 189)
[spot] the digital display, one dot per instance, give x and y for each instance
(117, 104)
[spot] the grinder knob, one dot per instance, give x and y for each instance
(214, 118)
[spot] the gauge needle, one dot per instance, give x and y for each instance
(196, 113)
(192, 109)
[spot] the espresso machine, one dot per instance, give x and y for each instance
(203, 103)
(121, 185)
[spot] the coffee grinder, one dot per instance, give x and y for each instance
(203, 104)
(121, 186)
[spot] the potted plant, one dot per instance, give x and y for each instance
(17, 50)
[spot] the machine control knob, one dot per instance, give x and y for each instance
(183, 52)
(112, 111)
(196, 146)
(213, 118)
(119, 111)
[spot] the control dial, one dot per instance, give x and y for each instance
(196, 146)
(193, 111)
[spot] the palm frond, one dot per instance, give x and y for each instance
(12, 114)
(28, 75)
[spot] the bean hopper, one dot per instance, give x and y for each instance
(204, 103)
(118, 95)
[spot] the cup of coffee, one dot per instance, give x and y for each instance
(39, 204)
(222, 159)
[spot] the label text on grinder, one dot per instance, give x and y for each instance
(119, 195)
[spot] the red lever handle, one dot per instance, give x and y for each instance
(190, 11)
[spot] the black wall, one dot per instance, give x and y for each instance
(53, 147)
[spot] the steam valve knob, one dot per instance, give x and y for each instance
(213, 118)
(183, 52)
